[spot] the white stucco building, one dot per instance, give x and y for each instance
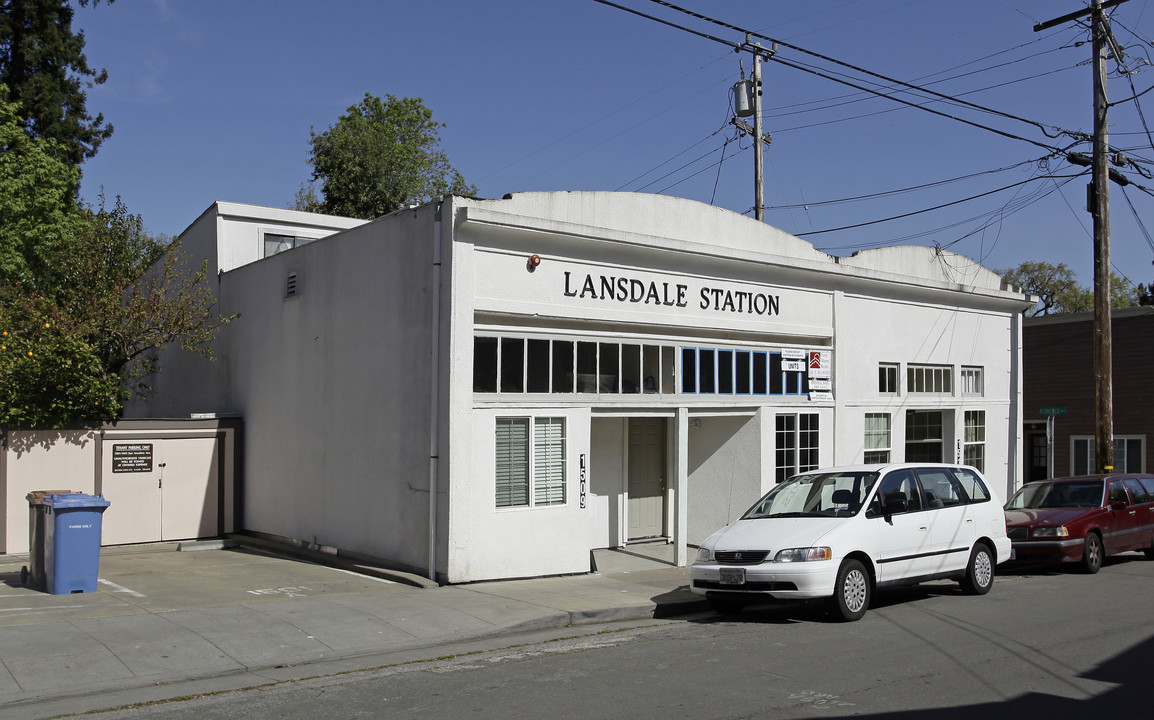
(478, 389)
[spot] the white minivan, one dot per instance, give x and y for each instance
(841, 533)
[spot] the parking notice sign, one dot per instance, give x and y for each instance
(131, 457)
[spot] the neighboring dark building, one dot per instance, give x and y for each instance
(1058, 378)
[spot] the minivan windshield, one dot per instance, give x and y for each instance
(837, 494)
(1079, 493)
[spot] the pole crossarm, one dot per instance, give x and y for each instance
(1075, 15)
(745, 128)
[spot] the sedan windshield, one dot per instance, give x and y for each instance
(817, 495)
(1087, 493)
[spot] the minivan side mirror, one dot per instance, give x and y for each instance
(894, 507)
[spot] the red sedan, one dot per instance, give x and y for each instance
(1082, 519)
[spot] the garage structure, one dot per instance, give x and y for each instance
(480, 389)
(165, 480)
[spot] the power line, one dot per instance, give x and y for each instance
(671, 159)
(595, 122)
(612, 137)
(855, 68)
(1138, 219)
(900, 191)
(778, 59)
(919, 212)
(862, 97)
(707, 167)
(989, 217)
(971, 123)
(679, 169)
(889, 110)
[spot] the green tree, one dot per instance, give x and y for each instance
(36, 198)
(1056, 286)
(43, 64)
(1058, 289)
(381, 155)
(87, 297)
(83, 341)
(1145, 294)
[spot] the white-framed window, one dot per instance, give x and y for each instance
(530, 461)
(888, 378)
(930, 380)
(878, 437)
(973, 381)
(277, 243)
(797, 440)
(924, 436)
(539, 365)
(735, 371)
(1129, 454)
(974, 442)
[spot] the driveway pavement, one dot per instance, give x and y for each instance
(169, 620)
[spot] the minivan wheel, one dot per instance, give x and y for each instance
(726, 604)
(1092, 554)
(979, 577)
(851, 592)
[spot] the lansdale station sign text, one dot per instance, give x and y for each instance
(631, 290)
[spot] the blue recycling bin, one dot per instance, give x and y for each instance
(65, 533)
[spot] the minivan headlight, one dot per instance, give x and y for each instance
(1059, 531)
(704, 554)
(803, 554)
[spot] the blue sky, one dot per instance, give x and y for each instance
(214, 99)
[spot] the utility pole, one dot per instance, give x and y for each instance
(1099, 202)
(756, 131)
(758, 161)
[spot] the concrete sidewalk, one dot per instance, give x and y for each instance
(165, 623)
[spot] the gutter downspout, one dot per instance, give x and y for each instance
(435, 394)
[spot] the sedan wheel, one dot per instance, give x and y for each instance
(979, 577)
(851, 593)
(1092, 554)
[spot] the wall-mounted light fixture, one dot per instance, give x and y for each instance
(534, 261)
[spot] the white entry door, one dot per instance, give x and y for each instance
(646, 507)
(160, 489)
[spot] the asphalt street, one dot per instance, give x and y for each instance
(219, 622)
(1043, 643)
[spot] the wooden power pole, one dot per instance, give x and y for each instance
(1099, 202)
(753, 98)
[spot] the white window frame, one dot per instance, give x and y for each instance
(542, 471)
(878, 440)
(973, 381)
(938, 441)
(893, 370)
(286, 237)
(788, 456)
(930, 380)
(1092, 454)
(651, 365)
(974, 439)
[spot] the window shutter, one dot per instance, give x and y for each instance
(512, 462)
(549, 461)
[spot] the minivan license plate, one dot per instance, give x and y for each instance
(732, 576)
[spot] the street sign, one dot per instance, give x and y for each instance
(1052, 411)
